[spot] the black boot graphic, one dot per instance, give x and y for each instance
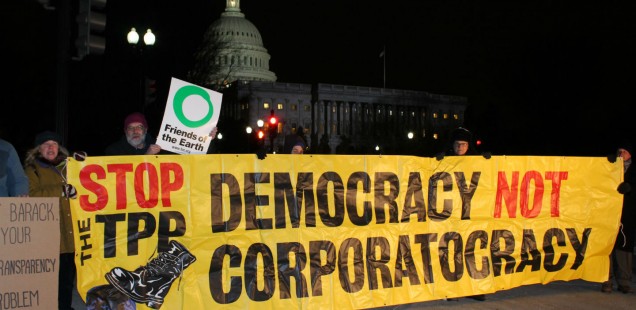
(149, 284)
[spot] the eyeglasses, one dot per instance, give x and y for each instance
(134, 128)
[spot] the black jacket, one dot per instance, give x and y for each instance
(625, 238)
(122, 147)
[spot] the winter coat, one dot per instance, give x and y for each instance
(625, 238)
(47, 180)
(13, 182)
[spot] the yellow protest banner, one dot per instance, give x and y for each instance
(330, 231)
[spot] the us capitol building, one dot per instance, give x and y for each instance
(332, 118)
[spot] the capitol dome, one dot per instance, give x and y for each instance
(234, 49)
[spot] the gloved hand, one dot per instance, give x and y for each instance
(80, 155)
(486, 155)
(261, 153)
(611, 158)
(439, 156)
(624, 188)
(69, 191)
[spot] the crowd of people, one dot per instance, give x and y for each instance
(44, 175)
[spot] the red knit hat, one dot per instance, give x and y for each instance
(135, 118)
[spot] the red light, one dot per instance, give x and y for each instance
(261, 134)
(478, 142)
(273, 120)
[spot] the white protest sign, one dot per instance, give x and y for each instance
(29, 253)
(191, 113)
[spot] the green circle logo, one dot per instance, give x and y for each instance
(181, 95)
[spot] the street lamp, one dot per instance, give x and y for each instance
(133, 40)
(410, 135)
(133, 37)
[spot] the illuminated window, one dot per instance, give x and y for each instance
(390, 112)
(265, 105)
(413, 114)
(279, 106)
(294, 107)
(307, 107)
(434, 115)
(455, 116)
(445, 115)
(435, 136)
(333, 110)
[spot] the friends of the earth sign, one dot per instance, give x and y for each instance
(190, 115)
(345, 232)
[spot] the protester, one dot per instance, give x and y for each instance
(461, 145)
(13, 181)
(45, 166)
(136, 140)
(299, 147)
(292, 139)
(622, 254)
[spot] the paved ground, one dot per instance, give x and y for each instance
(579, 295)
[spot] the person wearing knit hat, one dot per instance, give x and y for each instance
(621, 258)
(136, 140)
(462, 144)
(299, 147)
(45, 167)
(462, 140)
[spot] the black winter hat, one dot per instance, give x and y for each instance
(461, 134)
(46, 136)
(626, 145)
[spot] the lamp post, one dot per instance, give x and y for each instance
(138, 47)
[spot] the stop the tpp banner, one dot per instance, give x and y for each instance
(331, 231)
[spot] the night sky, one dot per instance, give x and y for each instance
(541, 77)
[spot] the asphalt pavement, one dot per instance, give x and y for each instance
(578, 294)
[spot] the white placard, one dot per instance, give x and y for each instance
(191, 113)
(29, 253)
